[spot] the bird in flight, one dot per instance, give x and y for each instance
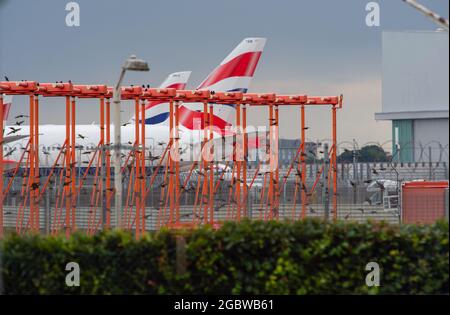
(10, 152)
(13, 130)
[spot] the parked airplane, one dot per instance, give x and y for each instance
(234, 73)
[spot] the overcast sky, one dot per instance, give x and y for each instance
(315, 47)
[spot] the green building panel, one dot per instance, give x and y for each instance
(403, 140)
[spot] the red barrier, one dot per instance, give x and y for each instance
(423, 202)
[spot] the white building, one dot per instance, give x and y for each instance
(415, 94)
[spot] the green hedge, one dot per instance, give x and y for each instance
(308, 257)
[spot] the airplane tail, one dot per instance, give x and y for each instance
(234, 73)
(157, 112)
(7, 102)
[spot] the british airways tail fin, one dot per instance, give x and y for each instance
(157, 112)
(234, 73)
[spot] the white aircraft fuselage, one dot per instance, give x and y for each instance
(52, 137)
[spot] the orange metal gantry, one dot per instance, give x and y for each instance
(134, 214)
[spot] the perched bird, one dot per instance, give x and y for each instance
(374, 171)
(6, 78)
(125, 124)
(34, 186)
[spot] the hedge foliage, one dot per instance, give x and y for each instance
(307, 257)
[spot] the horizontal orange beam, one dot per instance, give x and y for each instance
(158, 94)
(18, 87)
(192, 96)
(90, 91)
(186, 96)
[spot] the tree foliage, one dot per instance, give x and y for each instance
(369, 153)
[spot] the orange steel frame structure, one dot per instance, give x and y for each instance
(134, 212)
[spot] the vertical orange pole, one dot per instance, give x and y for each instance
(204, 162)
(108, 164)
(143, 171)
(32, 164)
(73, 163)
(334, 163)
(244, 163)
(102, 155)
(170, 161)
(238, 162)
(271, 161)
(67, 168)
(1, 165)
(171, 165)
(137, 167)
(277, 171)
(36, 162)
(303, 160)
(177, 163)
(211, 166)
